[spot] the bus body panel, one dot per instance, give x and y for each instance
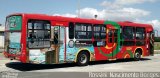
(111, 50)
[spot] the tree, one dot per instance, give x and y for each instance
(156, 39)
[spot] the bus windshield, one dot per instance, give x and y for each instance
(14, 44)
(14, 23)
(13, 34)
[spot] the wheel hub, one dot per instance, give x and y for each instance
(83, 58)
(137, 55)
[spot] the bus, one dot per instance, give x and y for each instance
(44, 39)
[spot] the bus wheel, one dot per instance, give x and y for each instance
(83, 59)
(137, 55)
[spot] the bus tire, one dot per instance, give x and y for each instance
(83, 59)
(137, 55)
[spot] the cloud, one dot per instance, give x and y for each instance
(123, 14)
(108, 4)
(129, 2)
(155, 23)
(66, 15)
(122, 3)
(118, 12)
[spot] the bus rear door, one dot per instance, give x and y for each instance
(112, 41)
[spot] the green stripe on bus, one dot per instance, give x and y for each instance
(117, 26)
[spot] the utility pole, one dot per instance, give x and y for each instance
(79, 12)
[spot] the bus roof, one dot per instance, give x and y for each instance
(127, 23)
(60, 18)
(84, 20)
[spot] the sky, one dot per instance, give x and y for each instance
(142, 11)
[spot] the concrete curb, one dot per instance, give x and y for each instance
(156, 50)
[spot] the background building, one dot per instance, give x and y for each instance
(1, 37)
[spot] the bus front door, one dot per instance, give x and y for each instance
(150, 43)
(58, 44)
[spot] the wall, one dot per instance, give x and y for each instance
(1, 38)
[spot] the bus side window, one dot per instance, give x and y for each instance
(71, 30)
(38, 34)
(99, 34)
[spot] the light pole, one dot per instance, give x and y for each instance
(95, 16)
(79, 12)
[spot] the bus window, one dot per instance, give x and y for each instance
(99, 35)
(115, 35)
(140, 36)
(110, 36)
(140, 33)
(99, 31)
(99, 43)
(128, 33)
(71, 30)
(38, 34)
(83, 31)
(128, 36)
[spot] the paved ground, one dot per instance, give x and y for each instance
(147, 64)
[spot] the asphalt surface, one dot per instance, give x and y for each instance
(151, 63)
(146, 64)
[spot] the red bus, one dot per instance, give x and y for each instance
(44, 39)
